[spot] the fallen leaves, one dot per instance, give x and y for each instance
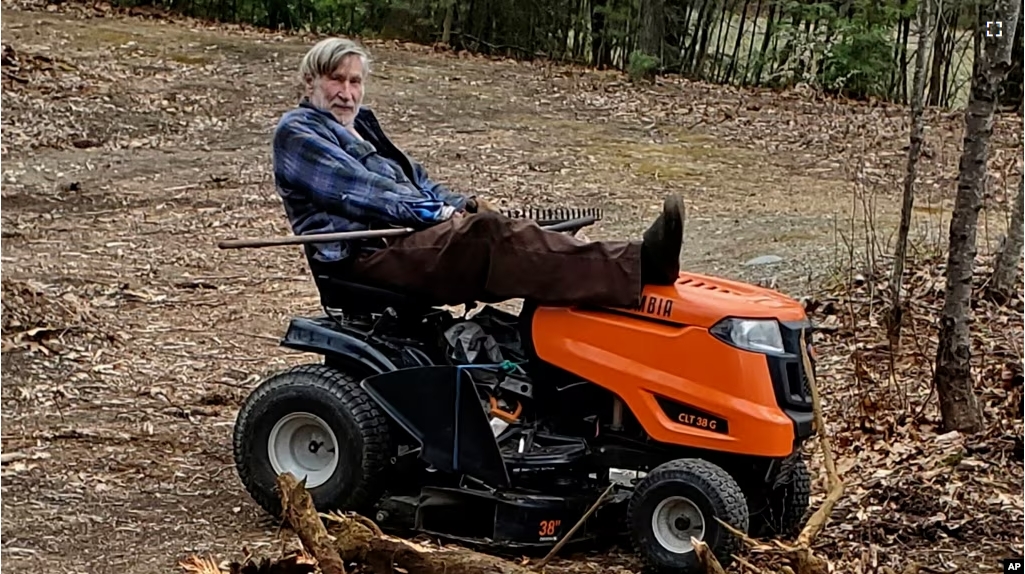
(39, 317)
(913, 485)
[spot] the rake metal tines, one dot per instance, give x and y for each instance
(551, 216)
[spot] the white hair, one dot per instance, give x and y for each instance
(324, 57)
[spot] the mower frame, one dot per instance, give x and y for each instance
(464, 481)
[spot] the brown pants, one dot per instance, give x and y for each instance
(489, 258)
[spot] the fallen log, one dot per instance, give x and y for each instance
(706, 557)
(355, 538)
(298, 510)
(287, 565)
(385, 554)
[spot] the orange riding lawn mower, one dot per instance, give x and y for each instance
(502, 431)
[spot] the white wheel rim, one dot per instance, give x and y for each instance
(674, 521)
(304, 445)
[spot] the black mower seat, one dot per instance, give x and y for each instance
(362, 298)
(357, 298)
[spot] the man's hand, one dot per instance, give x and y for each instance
(481, 205)
(448, 212)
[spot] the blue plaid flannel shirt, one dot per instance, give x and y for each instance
(330, 181)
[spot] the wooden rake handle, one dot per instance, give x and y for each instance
(567, 225)
(312, 238)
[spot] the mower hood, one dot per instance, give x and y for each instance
(702, 301)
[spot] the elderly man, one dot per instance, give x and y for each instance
(336, 170)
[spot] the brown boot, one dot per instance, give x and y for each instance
(660, 251)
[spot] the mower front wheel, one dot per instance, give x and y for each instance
(317, 423)
(679, 500)
(785, 506)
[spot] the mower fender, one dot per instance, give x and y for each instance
(319, 336)
(440, 408)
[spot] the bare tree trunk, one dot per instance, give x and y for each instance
(717, 58)
(731, 70)
(691, 55)
(939, 57)
(1011, 97)
(446, 32)
(770, 28)
(898, 75)
(948, 62)
(952, 376)
(1003, 282)
(584, 25)
(780, 63)
(652, 28)
(904, 57)
(698, 68)
(896, 313)
(801, 68)
(600, 48)
(751, 44)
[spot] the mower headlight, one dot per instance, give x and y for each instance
(757, 335)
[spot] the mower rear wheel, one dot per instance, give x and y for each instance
(681, 499)
(315, 422)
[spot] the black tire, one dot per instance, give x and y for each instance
(783, 511)
(361, 432)
(711, 490)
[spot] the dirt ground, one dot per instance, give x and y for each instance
(131, 145)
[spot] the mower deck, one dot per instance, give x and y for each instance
(502, 520)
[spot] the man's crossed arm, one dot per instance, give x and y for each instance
(309, 160)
